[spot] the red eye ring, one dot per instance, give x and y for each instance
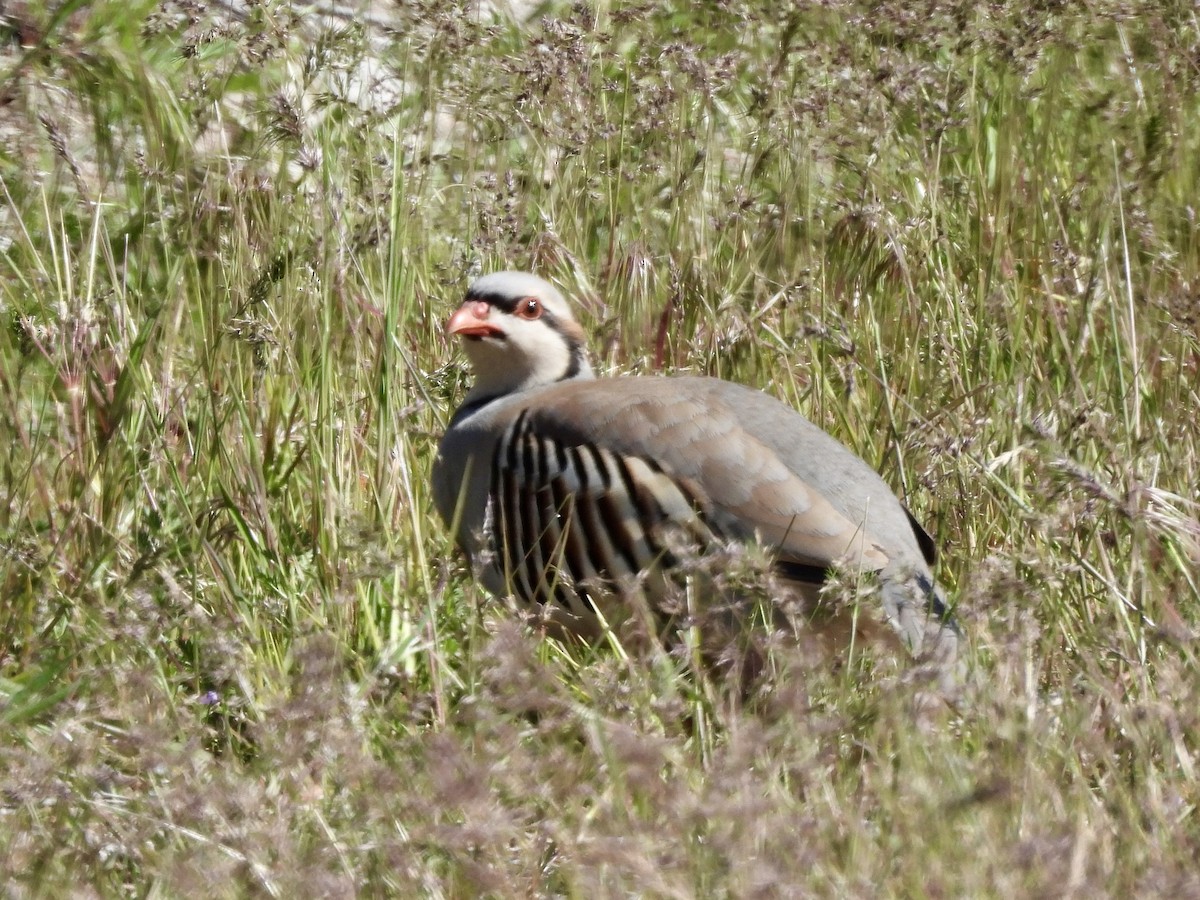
(529, 308)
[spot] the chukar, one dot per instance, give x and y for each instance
(569, 491)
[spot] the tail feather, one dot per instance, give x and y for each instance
(917, 609)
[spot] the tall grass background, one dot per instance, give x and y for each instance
(238, 653)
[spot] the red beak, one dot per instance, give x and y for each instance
(470, 320)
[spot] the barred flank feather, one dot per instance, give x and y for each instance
(569, 517)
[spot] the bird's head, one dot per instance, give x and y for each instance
(519, 333)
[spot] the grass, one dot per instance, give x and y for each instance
(238, 655)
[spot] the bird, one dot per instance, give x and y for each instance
(583, 497)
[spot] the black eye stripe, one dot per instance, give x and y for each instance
(507, 303)
(503, 302)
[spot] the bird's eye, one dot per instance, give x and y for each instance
(529, 308)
